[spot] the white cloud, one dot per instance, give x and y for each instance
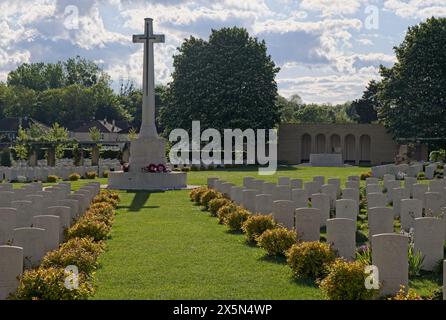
(329, 8)
(417, 9)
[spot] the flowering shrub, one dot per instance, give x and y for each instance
(81, 252)
(310, 259)
(409, 295)
(221, 207)
(208, 196)
(256, 225)
(224, 211)
(345, 281)
(49, 284)
(90, 175)
(196, 193)
(52, 179)
(107, 196)
(276, 241)
(235, 219)
(89, 227)
(366, 175)
(74, 177)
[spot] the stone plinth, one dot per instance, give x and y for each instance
(146, 181)
(146, 151)
(326, 160)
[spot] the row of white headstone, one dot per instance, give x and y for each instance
(10, 174)
(288, 202)
(411, 170)
(68, 162)
(32, 223)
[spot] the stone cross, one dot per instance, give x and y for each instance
(148, 128)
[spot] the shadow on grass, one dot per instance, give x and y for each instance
(234, 232)
(273, 259)
(304, 282)
(139, 201)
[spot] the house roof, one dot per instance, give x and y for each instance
(12, 124)
(84, 126)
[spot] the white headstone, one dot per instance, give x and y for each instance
(264, 203)
(73, 204)
(330, 190)
(371, 180)
(25, 213)
(419, 191)
(399, 194)
(352, 184)
(311, 187)
(296, 183)
(38, 203)
(373, 188)
(283, 181)
(247, 181)
(11, 268)
(237, 194)
(249, 199)
(321, 201)
(376, 200)
(268, 187)
(341, 234)
(409, 182)
(64, 214)
(380, 221)
(8, 217)
(5, 198)
(347, 209)
(211, 182)
(434, 203)
(308, 224)
(429, 240)
(282, 192)
(410, 209)
(51, 225)
(390, 256)
(300, 198)
(32, 240)
(283, 213)
(337, 183)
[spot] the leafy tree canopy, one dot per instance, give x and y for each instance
(413, 92)
(225, 82)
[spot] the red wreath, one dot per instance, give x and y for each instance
(154, 168)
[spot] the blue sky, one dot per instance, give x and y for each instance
(327, 49)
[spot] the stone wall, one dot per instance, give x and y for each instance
(368, 144)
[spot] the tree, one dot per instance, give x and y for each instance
(364, 110)
(106, 103)
(20, 102)
(95, 134)
(413, 92)
(288, 108)
(38, 76)
(325, 113)
(226, 82)
(83, 72)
